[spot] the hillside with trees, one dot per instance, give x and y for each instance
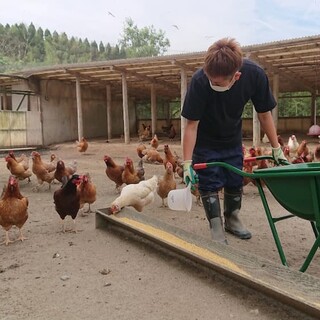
(24, 46)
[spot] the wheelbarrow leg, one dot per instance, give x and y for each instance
(314, 228)
(271, 223)
(310, 255)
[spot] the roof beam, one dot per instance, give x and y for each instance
(137, 75)
(285, 72)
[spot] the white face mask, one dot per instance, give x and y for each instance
(222, 89)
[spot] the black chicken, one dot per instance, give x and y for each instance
(67, 199)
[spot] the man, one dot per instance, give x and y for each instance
(213, 108)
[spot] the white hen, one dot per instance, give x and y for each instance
(136, 195)
(293, 144)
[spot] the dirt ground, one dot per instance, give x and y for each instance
(94, 274)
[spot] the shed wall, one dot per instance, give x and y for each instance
(59, 110)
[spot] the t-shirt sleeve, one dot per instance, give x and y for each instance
(263, 99)
(194, 102)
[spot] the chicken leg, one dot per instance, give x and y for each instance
(7, 240)
(21, 236)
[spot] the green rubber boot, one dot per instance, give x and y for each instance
(211, 204)
(232, 206)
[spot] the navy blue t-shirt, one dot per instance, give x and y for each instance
(220, 113)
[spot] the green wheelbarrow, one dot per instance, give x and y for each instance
(297, 189)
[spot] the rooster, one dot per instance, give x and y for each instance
(166, 183)
(13, 209)
(67, 199)
(114, 171)
(87, 191)
(136, 195)
(82, 145)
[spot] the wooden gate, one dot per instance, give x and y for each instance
(20, 129)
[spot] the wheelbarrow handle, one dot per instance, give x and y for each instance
(251, 159)
(265, 157)
(204, 165)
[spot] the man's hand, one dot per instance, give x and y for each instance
(189, 175)
(278, 155)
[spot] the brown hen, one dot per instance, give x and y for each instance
(87, 191)
(13, 209)
(63, 171)
(17, 169)
(166, 183)
(23, 159)
(152, 155)
(141, 147)
(38, 168)
(82, 145)
(114, 171)
(129, 174)
(154, 142)
(169, 157)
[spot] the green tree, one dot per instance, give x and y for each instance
(108, 51)
(94, 51)
(145, 42)
(37, 47)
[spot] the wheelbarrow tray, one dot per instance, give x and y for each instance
(297, 189)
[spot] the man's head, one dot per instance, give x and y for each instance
(222, 63)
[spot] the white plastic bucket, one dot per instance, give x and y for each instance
(180, 199)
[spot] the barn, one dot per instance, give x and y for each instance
(62, 103)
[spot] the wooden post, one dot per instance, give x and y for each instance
(5, 101)
(256, 129)
(153, 109)
(125, 109)
(184, 87)
(79, 108)
(313, 118)
(109, 122)
(275, 91)
(167, 112)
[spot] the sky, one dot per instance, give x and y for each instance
(189, 26)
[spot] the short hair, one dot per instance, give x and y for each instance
(223, 58)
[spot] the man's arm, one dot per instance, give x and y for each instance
(189, 138)
(267, 124)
